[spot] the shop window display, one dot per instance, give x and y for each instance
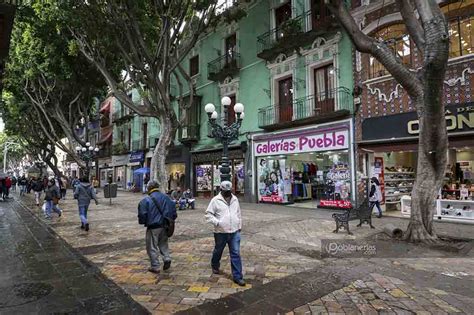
(176, 176)
(321, 177)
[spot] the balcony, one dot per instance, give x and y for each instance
(317, 108)
(138, 145)
(294, 33)
(189, 134)
(224, 66)
(105, 152)
(120, 148)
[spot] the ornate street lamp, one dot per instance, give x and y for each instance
(225, 134)
(87, 154)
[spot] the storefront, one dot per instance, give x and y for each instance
(206, 172)
(312, 165)
(119, 163)
(135, 181)
(178, 167)
(389, 152)
(105, 170)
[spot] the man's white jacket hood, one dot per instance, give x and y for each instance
(226, 218)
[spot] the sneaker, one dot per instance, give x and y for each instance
(167, 265)
(216, 271)
(82, 226)
(87, 227)
(154, 270)
(60, 213)
(47, 217)
(240, 282)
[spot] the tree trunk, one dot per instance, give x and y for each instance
(433, 139)
(158, 161)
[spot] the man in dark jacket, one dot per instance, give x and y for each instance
(38, 189)
(151, 212)
(23, 182)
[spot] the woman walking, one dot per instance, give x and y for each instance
(375, 196)
(52, 197)
(84, 192)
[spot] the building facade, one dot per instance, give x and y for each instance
(387, 123)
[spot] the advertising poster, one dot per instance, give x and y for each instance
(273, 179)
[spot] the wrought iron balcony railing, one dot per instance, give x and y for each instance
(224, 66)
(153, 141)
(294, 33)
(317, 105)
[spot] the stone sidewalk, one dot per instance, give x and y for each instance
(41, 274)
(279, 244)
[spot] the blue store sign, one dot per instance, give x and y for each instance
(137, 156)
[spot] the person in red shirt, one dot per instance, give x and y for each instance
(8, 185)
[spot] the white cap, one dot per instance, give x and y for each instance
(226, 185)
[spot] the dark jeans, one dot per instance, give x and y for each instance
(233, 241)
(376, 203)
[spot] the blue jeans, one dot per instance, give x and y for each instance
(50, 206)
(83, 213)
(377, 204)
(233, 241)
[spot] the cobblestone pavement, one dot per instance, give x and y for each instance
(282, 265)
(41, 274)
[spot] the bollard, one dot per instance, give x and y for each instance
(393, 231)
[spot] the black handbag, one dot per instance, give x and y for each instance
(168, 223)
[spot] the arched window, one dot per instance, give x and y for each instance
(395, 36)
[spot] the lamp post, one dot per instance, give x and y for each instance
(6, 146)
(224, 133)
(87, 153)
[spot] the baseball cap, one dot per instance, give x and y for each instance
(226, 185)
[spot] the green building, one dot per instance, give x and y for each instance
(290, 64)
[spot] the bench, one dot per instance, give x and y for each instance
(363, 213)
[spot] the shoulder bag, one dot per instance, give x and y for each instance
(168, 223)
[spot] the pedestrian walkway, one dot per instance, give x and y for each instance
(281, 254)
(41, 274)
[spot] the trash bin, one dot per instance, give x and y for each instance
(110, 190)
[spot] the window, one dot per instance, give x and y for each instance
(324, 89)
(194, 65)
(145, 134)
(285, 99)
(282, 16)
(230, 111)
(395, 36)
(461, 36)
(122, 137)
(230, 50)
(129, 138)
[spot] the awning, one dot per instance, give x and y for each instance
(105, 134)
(143, 170)
(106, 106)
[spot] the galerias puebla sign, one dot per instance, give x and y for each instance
(306, 141)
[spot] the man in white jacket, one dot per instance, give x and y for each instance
(224, 214)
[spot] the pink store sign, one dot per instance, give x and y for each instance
(305, 142)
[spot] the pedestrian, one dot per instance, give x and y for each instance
(225, 216)
(375, 195)
(29, 186)
(189, 199)
(62, 187)
(23, 182)
(52, 196)
(38, 188)
(8, 185)
(177, 196)
(152, 211)
(14, 182)
(2, 188)
(84, 193)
